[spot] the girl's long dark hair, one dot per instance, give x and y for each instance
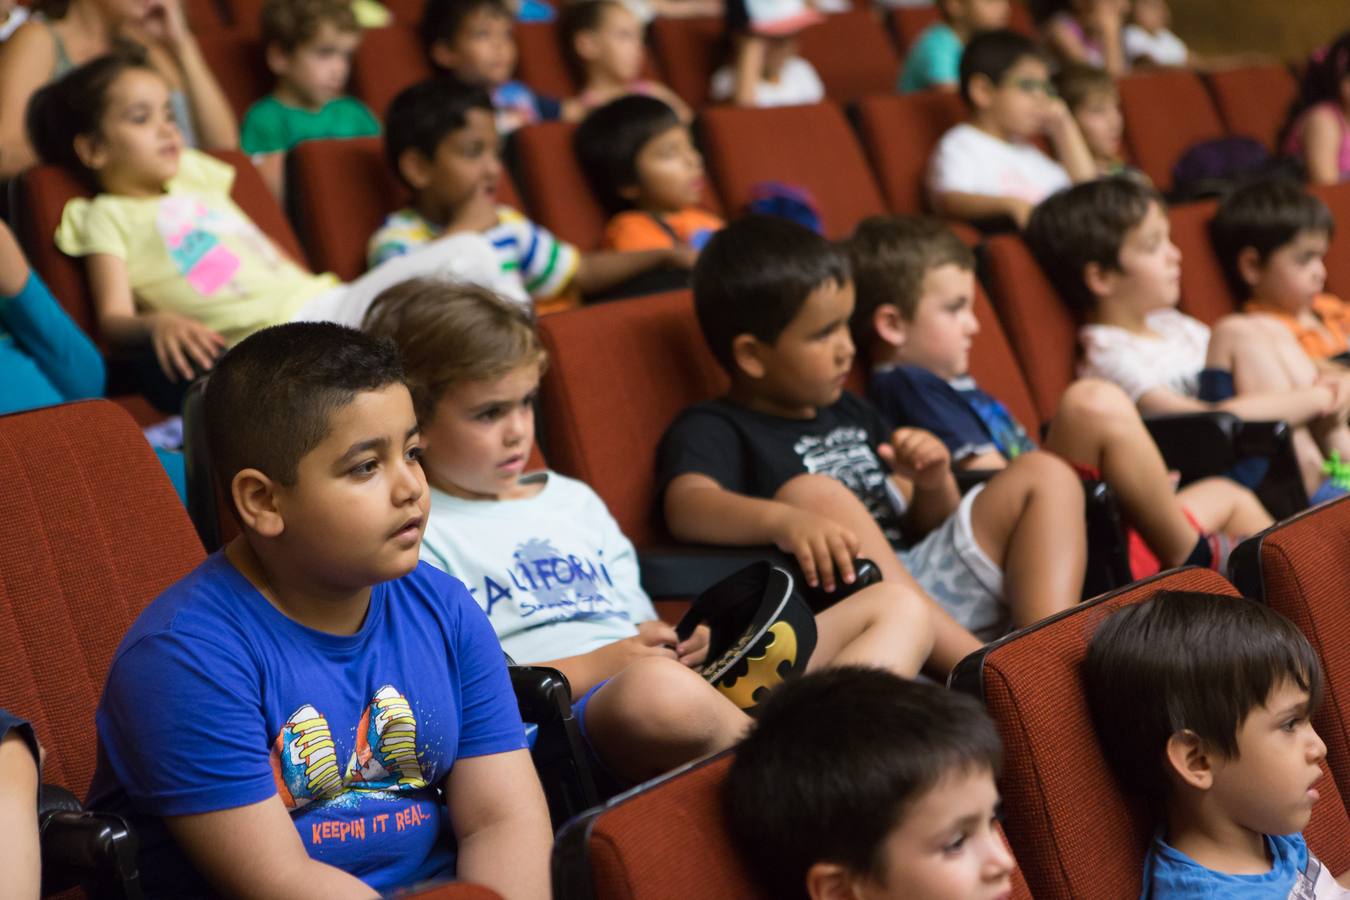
(1327, 68)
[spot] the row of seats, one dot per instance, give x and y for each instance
(1074, 831)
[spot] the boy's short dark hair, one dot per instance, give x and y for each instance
(608, 141)
(992, 54)
(1077, 82)
(442, 19)
(1086, 223)
(423, 115)
(754, 276)
(290, 24)
(270, 399)
(834, 761)
(1265, 215)
(891, 256)
(1184, 661)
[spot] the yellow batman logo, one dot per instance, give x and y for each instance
(762, 671)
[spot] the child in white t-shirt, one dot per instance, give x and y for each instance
(765, 69)
(1148, 38)
(547, 562)
(989, 167)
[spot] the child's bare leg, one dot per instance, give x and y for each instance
(827, 497)
(1224, 506)
(1029, 522)
(657, 714)
(1097, 425)
(885, 625)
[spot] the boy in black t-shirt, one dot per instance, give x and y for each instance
(789, 458)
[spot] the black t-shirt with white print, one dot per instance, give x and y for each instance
(756, 453)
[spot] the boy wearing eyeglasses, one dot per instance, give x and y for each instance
(989, 168)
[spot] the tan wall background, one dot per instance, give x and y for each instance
(1288, 29)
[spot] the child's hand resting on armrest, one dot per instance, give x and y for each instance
(821, 546)
(183, 346)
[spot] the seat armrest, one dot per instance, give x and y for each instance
(542, 693)
(969, 478)
(91, 848)
(1196, 444)
(686, 571)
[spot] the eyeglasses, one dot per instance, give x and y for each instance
(1036, 85)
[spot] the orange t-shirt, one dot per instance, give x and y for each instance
(639, 230)
(1331, 339)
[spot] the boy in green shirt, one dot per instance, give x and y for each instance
(309, 48)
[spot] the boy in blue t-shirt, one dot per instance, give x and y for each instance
(934, 60)
(1202, 704)
(915, 319)
(285, 717)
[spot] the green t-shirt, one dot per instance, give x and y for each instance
(271, 126)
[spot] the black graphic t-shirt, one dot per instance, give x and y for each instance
(756, 453)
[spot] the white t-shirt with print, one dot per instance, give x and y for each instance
(797, 84)
(970, 161)
(1138, 363)
(553, 572)
(1164, 48)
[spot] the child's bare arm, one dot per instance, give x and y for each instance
(978, 207)
(585, 670)
(604, 269)
(1321, 146)
(698, 509)
(1067, 139)
(180, 343)
(1297, 407)
(923, 471)
(19, 877)
(501, 824)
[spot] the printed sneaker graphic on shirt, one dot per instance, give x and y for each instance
(386, 746)
(304, 759)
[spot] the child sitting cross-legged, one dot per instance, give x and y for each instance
(913, 814)
(790, 458)
(474, 361)
(641, 163)
(1272, 237)
(1106, 247)
(309, 45)
(602, 40)
(915, 320)
(311, 711)
(441, 140)
(988, 167)
(1203, 704)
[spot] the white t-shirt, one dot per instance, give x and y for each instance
(970, 161)
(1164, 48)
(553, 572)
(797, 84)
(1138, 363)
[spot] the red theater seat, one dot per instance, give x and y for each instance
(543, 65)
(1337, 197)
(689, 51)
(1204, 291)
(809, 147)
(240, 67)
(900, 134)
(1254, 101)
(388, 60)
(1166, 112)
(852, 54)
(1075, 832)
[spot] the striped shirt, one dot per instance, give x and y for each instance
(544, 264)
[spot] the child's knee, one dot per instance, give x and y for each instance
(663, 698)
(1095, 403)
(1045, 473)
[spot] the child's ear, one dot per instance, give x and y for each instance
(255, 499)
(1190, 761)
(1100, 281)
(890, 325)
(443, 55)
(90, 151)
(415, 168)
(747, 352)
(278, 60)
(830, 881)
(1249, 265)
(585, 45)
(981, 91)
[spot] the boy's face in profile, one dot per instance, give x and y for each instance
(316, 71)
(480, 438)
(482, 51)
(947, 846)
(354, 516)
(1100, 120)
(669, 173)
(1292, 275)
(939, 335)
(1267, 788)
(467, 166)
(1149, 276)
(806, 367)
(1018, 107)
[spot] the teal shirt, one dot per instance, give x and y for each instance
(271, 126)
(45, 358)
(934, 59)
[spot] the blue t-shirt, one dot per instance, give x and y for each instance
(934, 59)
(215, 700)
(962, 416)
(1295, 874)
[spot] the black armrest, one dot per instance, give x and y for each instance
(559, 753)
(95, 849)
(969, 478)
(543, 694)
(686, 571)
